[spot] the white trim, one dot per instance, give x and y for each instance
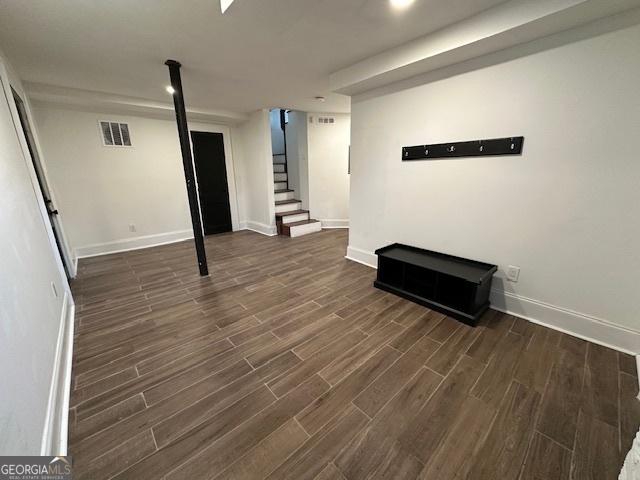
(638, 370)
(74, 273)
(577, 324)
(258, 227)
(135, 243)
(56, 427)
(304, 229)
(362, 256)
(331, 223)
(5, 84)
(574, 323)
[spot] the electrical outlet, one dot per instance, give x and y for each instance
(513, 273)
(132, 228)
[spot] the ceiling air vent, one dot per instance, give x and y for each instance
(115, 134)
(326, 120)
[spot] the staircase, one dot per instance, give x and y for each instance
(291, 220)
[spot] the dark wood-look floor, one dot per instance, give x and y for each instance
(287, 363)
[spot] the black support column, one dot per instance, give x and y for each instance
(185, 146)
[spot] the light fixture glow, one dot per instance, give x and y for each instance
(224, 4)
(401, 4)
(170, 89)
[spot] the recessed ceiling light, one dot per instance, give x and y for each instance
(224, 4)
(320, 99)
(400, 4)
(170, 89)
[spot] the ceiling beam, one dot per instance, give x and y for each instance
(506, 25)
(89, 100)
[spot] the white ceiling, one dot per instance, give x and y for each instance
(260, 54)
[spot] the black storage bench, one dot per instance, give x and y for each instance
(452, 285)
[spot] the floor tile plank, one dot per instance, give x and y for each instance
(267, 455)
(335, 400)
(503, 452)
(546, 460)
(596, 451)
(629, 411)
(600, 388)
(382, 389)
(562, 399)
(310, 459)
(424, 435)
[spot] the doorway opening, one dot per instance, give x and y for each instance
(42, 181)
(213, 186)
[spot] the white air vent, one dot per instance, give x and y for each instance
(115, 134)
(326, 120)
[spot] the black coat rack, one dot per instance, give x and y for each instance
(475, 148)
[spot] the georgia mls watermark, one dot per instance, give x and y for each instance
(35, 468)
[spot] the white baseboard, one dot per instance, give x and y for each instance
(638, 370)
(74, 266)
(332, 223)
(148, 241)
(574, 323)
(258, 227)
(56, 428)
(362, 256)
(135, 243)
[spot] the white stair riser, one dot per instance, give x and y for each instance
(300, 230)
(295, 218)
(278, 168)
(284, 196)
(279, 159)
(280, 186)
(288, 206)
(279, 177)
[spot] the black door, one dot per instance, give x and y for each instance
(213, 189)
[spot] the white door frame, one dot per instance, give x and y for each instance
(6, 88)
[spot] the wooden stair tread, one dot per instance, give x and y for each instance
(291, 212)
(284, 190)
(284, 202)
(301, 222)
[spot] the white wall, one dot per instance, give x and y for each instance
(328, 146)
(297, 161)
(35, 321)
(255, 173)
(103, 190)
(565, 211)
(277, 137)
